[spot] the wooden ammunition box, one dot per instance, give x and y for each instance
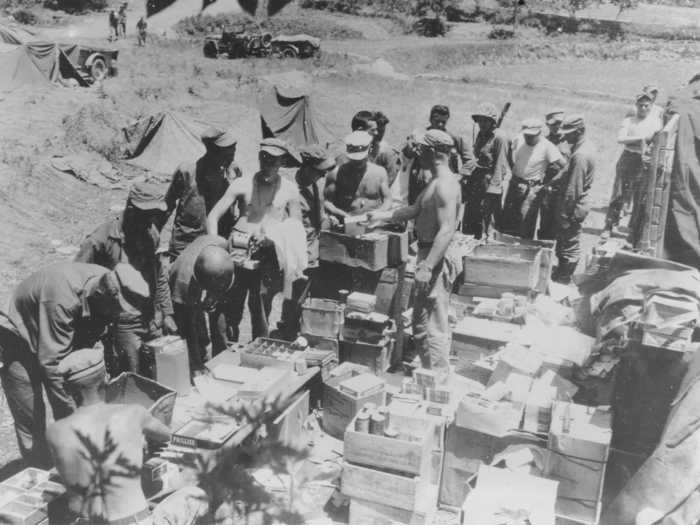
(377, 486)
(513, 266)
(368, 251)
(363, 512)
(374, 356)
(370, 450)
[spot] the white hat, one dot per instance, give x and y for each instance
(357, 145)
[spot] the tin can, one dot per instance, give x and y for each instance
(362, 422)
(377, 424)
(391, 432)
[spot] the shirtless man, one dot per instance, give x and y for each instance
(269, 197)
(435, 213)
(358, 186)
(122, 427)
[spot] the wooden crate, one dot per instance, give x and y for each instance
(474, 339)
(504, 266)
(339, 408)
(374, 356)
(355, 252)
(363, 512)
(370, 450)
(377, 486)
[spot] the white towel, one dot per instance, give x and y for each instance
(289, 237)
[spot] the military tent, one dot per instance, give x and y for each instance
(16, 35)
(682, 236)
(163, 141)
(287, 111)
(35, 63)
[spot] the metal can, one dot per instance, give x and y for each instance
(377, 424)
(362, 422)
(391, 432)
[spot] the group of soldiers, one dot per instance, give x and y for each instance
(130, 282)
(117, 25)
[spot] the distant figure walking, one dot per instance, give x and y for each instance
(122, 20)
(113, 25)
(142, 26)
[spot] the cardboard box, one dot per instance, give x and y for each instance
(474, 339)
(339, 408)
(363, 512)
(401, 455)
(512, 266)
(367, 251)
(502, 493)
(495, 418)
(377, 486)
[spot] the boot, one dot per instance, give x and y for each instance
(565, 272)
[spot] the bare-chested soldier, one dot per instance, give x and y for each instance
(357, 186)
(118, 426)
(269, 198)
(435, 213)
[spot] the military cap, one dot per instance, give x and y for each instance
(357, 145)
(81, 364)
(438, 140)
(278, 148)
(571, 123)
(486, 110)
(317, 157)
(146, 196)
(531, 126)
(554, 117)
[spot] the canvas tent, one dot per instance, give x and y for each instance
(287, 111)
(36, 63)
(682, 235)
(163, 141)
(15, 35)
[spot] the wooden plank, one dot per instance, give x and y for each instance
(411, 457)
(377, 486)
(504, 265)
(364, 512)
(288, 428)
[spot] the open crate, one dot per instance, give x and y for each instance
(130, 388)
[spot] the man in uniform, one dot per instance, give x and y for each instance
(573, 201)
(204, 266)
(435, 213)
(461, 157)
(197, 186)
(532, 155)
(53, 312)
(132, 238)
(553, 121)
(483, 187)
(358, 186)
(141, 28)
(316, 163)
(117, 431)
(270, 199)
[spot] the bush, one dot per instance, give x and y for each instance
(279, 24)
(97, 127)
(24, 16)
(76, 6)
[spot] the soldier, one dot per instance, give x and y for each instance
(553, 121)
(52, 313)
(358, 185)
(435, 214)
(133, 238)
(573, 201)
(635, 135)
(197, 186)
(531, 156)
(483, 188)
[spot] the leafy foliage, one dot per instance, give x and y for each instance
(104, 468)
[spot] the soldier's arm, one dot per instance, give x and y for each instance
(329, 193)
(162, 293)
(385, 191)
(501, 165)
(174, 192)
(88, 251)
(466, 155)
(153, 428)
(220, 208)
(446, 197)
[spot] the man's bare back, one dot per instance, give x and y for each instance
(442, 190)
(107, 426)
